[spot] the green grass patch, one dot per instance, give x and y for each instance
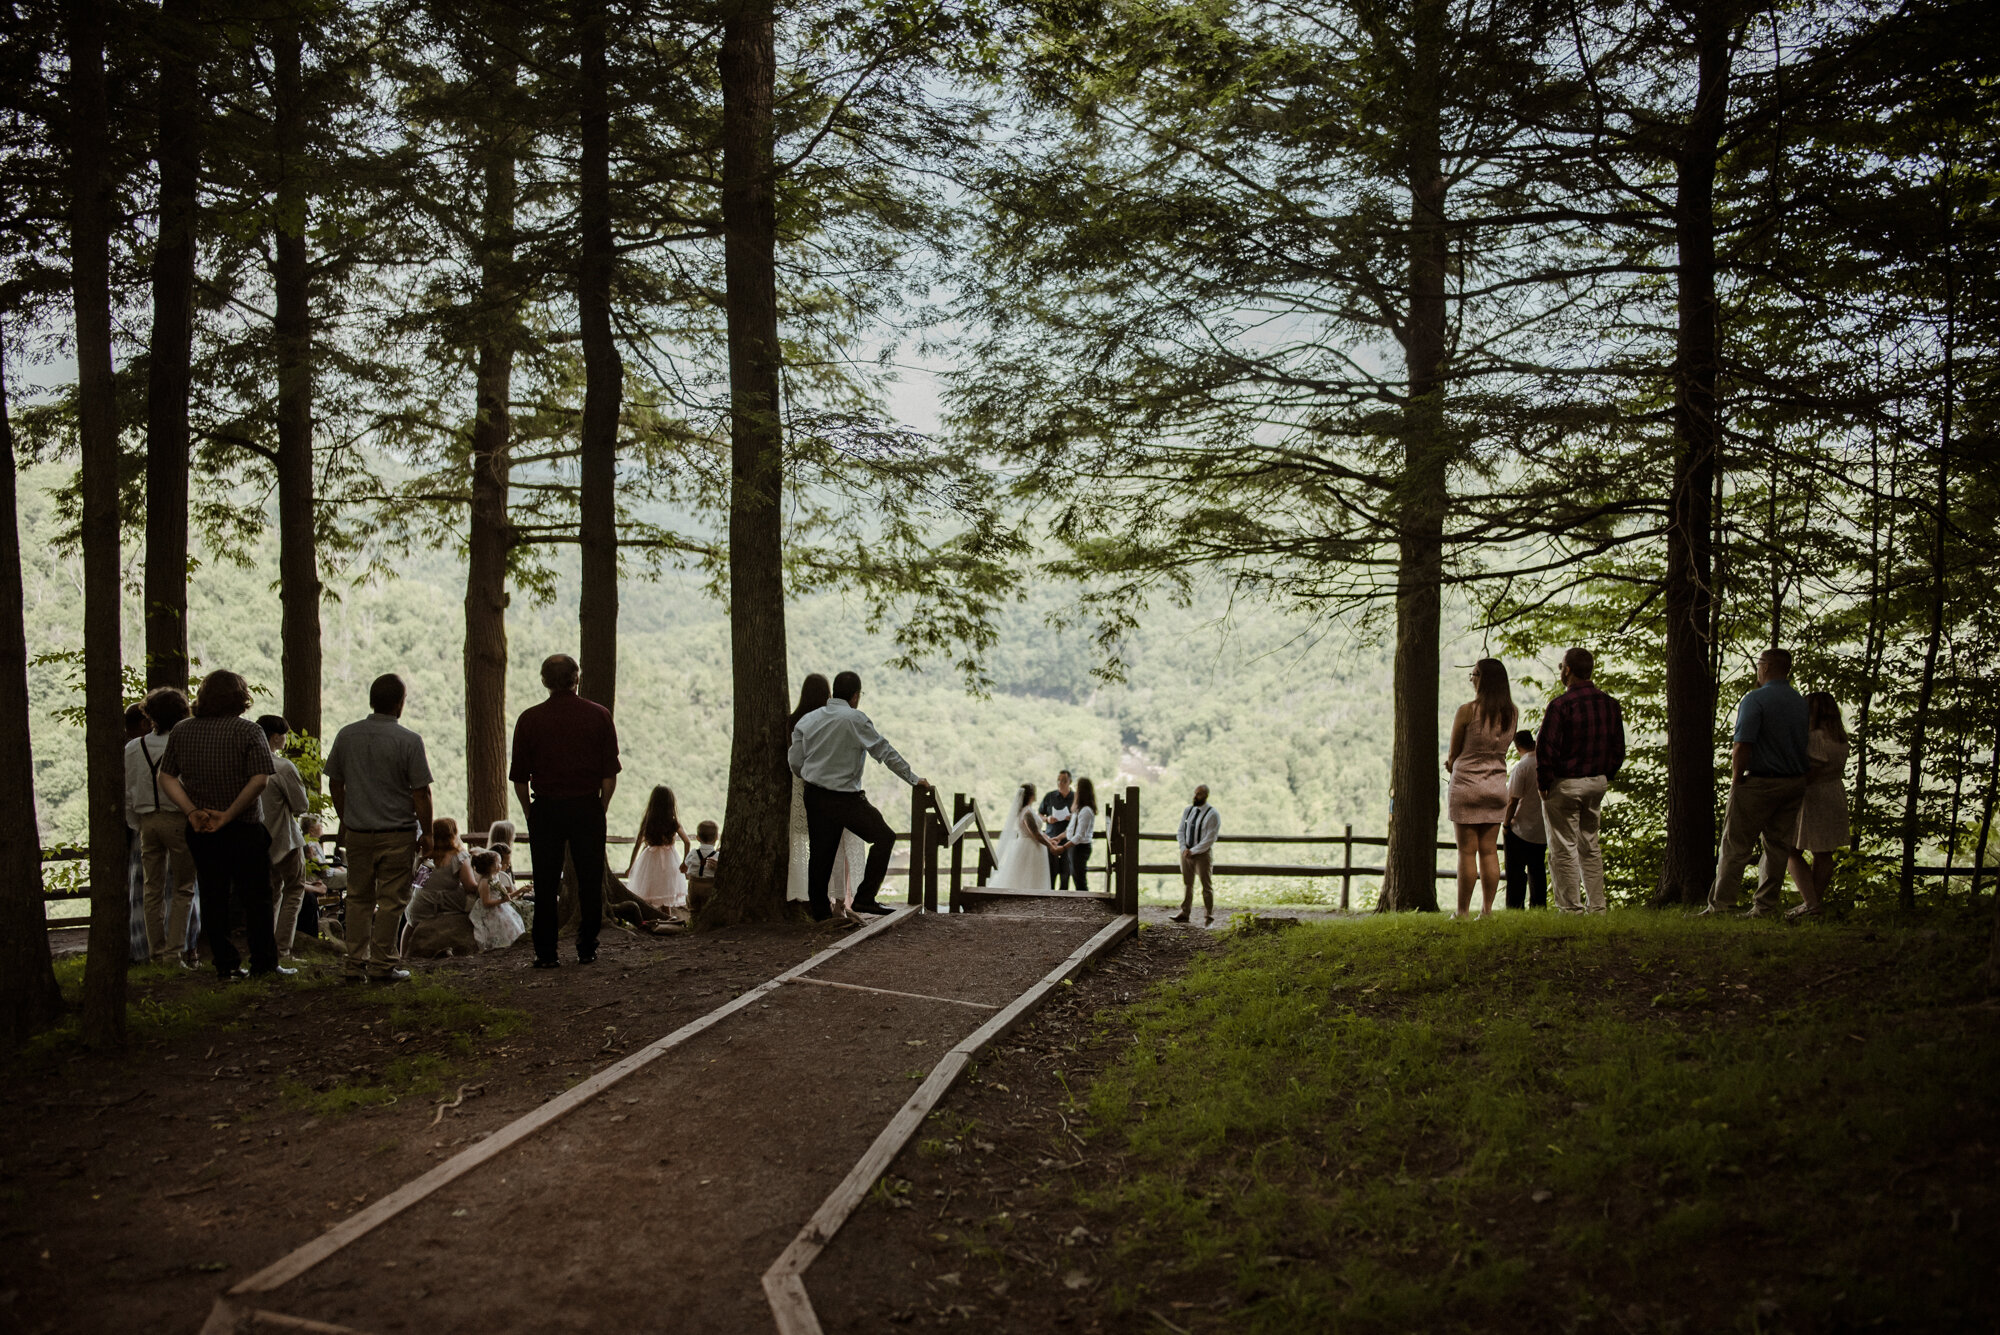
(421, 1075)
(1413, 1122)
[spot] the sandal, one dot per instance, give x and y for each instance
(1798, 911)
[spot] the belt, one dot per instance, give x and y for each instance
(834, 792)
(1755, 775)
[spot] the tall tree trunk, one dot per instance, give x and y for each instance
(489, 536)
(97, 430)
(603, 375)
(751, 880)
(298, 546)
(1940, 529)
(1986, 814)
(1881, 536)
(29, 1000)
(171, 352)
(1410, 865)
(1689, 864)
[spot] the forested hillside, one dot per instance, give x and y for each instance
(1288, 723)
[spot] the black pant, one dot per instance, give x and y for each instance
(1527, 865)
(1075, 860)
(575, 824)
(233, 865)
(828, 813)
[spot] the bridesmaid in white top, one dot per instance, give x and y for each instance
(1074, 843)
(655, 874)
(1823, 815)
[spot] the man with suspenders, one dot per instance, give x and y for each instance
(162, 829)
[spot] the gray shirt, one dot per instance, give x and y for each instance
(1771, 721)
(381, 763)
(832, 745)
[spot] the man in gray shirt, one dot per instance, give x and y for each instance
(380, 783)
(1767, 783)
(830, 748)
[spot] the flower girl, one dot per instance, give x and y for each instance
(655, 874)
(495, 923)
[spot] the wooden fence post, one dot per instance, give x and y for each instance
(934, 833)
(1346, 867)
(919, 836)
(1128, 893)
(959, 808)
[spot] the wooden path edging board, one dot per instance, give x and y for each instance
(784, 1282)
(228, 1317)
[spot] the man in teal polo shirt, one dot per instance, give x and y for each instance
(1767, 773)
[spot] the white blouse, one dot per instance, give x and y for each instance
(1079, 827)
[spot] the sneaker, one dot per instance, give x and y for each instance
(1178, 917)
(586, 957)
(393, 976)
(548, 964)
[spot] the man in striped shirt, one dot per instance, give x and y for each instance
(1200, 824)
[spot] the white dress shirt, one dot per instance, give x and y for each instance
(831, 746)
(143, 794)
(1199, 826)
(1079, 827)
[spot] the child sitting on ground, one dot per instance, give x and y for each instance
(439, 909)
(654, 874)
(495, 924)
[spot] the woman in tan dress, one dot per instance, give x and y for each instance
(1476, 800)
(1823, 814)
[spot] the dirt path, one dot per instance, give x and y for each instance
(658, 1203)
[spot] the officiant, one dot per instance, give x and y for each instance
(1057, 804)
(830, 748)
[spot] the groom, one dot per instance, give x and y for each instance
(830, 747)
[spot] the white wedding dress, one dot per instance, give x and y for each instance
(1021, 860)
(847, 868)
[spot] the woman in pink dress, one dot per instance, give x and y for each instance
(1476, 800)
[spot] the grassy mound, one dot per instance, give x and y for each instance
(1641, 1121)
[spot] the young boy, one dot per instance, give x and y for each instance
(701, 859)
(1527, 838)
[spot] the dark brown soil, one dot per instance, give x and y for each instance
(135, 1187)
(660, 1204)
(901, 1258)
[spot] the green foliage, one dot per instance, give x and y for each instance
(1395, 1110)
(1285, 728)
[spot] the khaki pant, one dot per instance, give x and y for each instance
(163, 849)
(1576, 863)
(288, 891)
(1203, 865)
(379, 867)
(1765, 810)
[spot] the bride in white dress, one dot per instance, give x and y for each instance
(1021, 862)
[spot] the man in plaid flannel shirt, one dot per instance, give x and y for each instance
(1581, 746)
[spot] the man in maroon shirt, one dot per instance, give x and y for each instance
(564, 771)
(1578, 754)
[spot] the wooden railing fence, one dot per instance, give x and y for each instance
(930, 835)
